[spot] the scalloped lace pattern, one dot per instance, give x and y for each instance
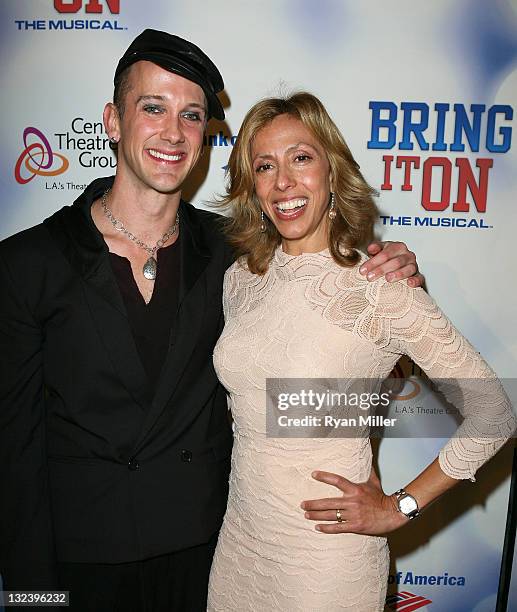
(309, 318)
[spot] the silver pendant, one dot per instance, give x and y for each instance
(149, 269)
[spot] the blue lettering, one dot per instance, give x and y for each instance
(462, 126)
(416, 128)
(505, 132)
(441, 110)
(422, 221)
(388, 123)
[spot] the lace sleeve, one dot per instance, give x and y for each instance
(416, 327)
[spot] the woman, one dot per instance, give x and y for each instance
(296, 306)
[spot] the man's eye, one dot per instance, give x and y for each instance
(192, 116)
(153, 109)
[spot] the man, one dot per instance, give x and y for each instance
(115, 439)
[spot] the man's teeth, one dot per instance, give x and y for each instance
(291, 204)
(164, 156)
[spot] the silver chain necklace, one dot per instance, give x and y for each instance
(150, 266)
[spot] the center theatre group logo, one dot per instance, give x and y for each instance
(38, 159)
(406, 601)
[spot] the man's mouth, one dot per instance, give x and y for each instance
(169, 157)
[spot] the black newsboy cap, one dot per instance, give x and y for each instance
(181, 57)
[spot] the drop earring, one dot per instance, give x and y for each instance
(262, 222)
(332, 210)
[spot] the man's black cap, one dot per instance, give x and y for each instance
(181, 57)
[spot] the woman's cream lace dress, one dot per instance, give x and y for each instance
(309, 317)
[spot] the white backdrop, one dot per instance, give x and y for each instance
(59, 59)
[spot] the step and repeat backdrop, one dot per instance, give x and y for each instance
(425, 94)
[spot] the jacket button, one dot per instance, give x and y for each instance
(186, 456)
(133, 464)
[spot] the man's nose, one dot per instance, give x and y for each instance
(172, 130)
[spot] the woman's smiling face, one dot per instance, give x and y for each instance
(292, 183)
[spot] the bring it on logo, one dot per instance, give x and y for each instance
(90, 6)
(37, 158)
(406, 601)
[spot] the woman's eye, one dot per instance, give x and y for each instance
(263, 167)
(302, 157)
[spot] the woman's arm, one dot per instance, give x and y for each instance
(415, 326)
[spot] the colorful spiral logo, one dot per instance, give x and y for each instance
(38, 158)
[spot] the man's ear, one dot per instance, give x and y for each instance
(111, 119)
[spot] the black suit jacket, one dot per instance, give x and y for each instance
(90, 470)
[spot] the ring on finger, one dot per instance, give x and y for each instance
(339, 517)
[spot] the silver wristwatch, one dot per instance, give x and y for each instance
(407, 504)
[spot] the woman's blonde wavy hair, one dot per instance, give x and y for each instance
(356, 212)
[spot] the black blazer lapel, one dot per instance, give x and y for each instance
(186, 325)
(81, 243)
(115, 332)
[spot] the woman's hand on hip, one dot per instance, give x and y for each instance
(359, 508)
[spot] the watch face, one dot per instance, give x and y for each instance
(408, 504)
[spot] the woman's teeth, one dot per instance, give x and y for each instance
(291, 204)
(164, 156)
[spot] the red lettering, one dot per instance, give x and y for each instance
(387, 159)
(94, 6)
(407, 160)
(446, 166)
(466, 179)
(67, 7)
